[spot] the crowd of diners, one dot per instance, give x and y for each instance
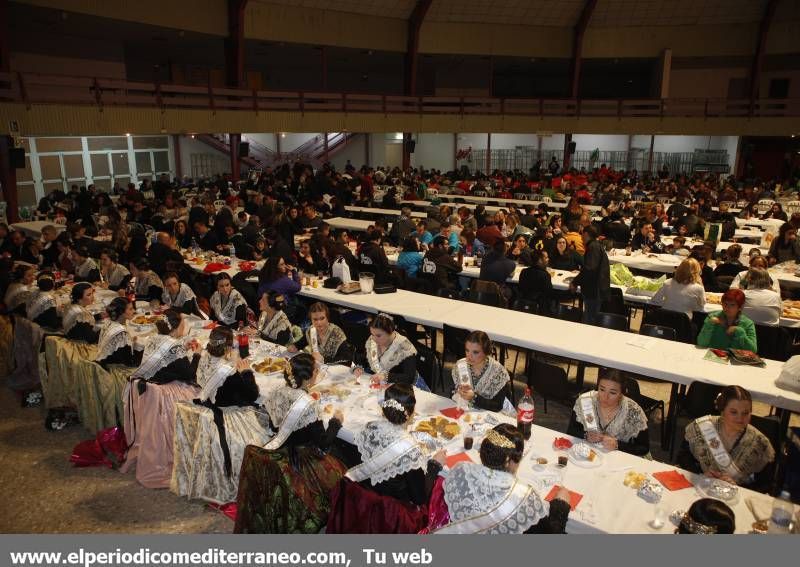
(134, 248)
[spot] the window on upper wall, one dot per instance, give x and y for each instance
(779, 88)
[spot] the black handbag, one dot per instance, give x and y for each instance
(384, 288)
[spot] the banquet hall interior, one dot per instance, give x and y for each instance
(267, 265)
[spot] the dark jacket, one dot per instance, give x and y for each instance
(594, 278)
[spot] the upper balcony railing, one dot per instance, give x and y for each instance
(31, 88)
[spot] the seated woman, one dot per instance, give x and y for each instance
(180, 296)
(86, 269)
(393, 463)
(609, 417)
(520, 251)
(115, 345)
(564, 258)
(741, 280)
(410, 258)
(148, 285)
(487, 498)
(776, 212)
(325, 341)
(295, 463)
(762, 304)
(390, 356)
(115, 276)
(727, 446)
(41, 307)
(228, 306)
(165, 357)
(277, 276)
(729, 328)
(785, 247)
(479, 379)
(20, 289)
(707, 516)
(79, 323)
(684, 292)
(273, 324)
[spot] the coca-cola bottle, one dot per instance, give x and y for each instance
(525, 414)
(244, 343)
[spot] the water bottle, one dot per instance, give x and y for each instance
(478, 258)
(525, 410)
(195, 247)
(233, 255)
(781, 516)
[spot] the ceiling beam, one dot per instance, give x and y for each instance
(577, 44)
(234, 44)
(412, 48)
(761, 47)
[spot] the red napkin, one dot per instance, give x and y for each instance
(230, 509)
(211, 326)
(574, 497)
(214, 267)
(672, 480)
(453, 413)
(453, 460)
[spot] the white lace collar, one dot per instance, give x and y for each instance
(184, 294)
(270, 328)
(160, 352)
(492, 379)
(483, 500)
(227, 313)
(400, 349)
(85, 267)
(211, 374)
(77, 314)
(290, 410)
(39, 302)
(146, 280)
(117, 273)
(387, 450)
(333, 340)
(628, 422)
(113, 337)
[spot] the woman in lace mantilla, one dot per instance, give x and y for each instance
(390, 356)
(727, 446)
(148, 284)
(295, 464)
(86, 270)
(41, 307)
(180, 296)
(487, 498)
(115, 345)
(79, 323)
(21, 289)
(609, 417)
(394, 463)
(115, 276)
(480, 379)
(273, 324)
(165, 357)
(228, 307)
(325, 341)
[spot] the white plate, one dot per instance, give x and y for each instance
(575, 459)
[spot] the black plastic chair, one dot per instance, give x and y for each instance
(612, 321)
(453, 340)
(428, 366)
(699, 400)
(357, 334)
(569, 313)
(648, 404)
(768, 480)
(773, 342)
(614, 303)
(399, 277)
(551, 383)
(658, 331)
(684, 330)
(484, 298)
(448, 293)
(724, 283)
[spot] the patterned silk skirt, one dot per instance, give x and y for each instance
(285, 491)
